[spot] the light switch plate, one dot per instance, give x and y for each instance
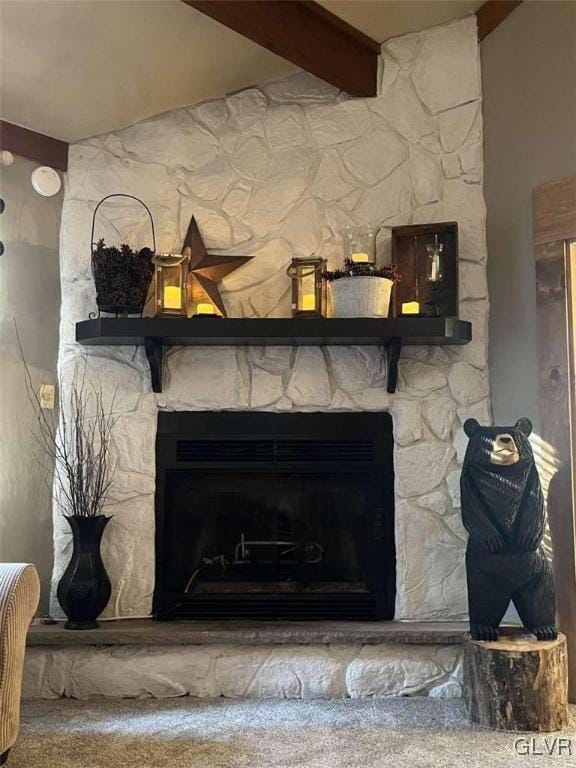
(47, 397)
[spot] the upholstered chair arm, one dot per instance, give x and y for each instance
(19, 595)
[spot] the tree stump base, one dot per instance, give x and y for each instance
(517, 683)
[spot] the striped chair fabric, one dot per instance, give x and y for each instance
(19, 595)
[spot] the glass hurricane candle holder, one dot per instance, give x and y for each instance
(434, 256)
(360, 245)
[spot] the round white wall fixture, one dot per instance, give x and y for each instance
(46, 181)
(6, 158)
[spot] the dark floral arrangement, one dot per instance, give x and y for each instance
(354, 269)
(122, 278)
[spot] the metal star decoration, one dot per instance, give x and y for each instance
(205, 271)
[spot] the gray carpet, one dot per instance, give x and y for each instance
(224, 733)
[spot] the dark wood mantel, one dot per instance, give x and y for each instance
(157, 333)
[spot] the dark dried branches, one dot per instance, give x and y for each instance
(77, 444)
(354, 269)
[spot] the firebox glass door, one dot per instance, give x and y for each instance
(266, 532)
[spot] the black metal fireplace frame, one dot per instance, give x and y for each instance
(367, 440)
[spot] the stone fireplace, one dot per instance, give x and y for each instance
(275, 172)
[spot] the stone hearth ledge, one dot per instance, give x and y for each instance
(149, 632)
(243, 659)
(244, 671)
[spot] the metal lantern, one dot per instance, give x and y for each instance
(308, 287)
(171, 285)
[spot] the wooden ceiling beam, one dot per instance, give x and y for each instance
(35, 146)
(493, 13)
(305, 34)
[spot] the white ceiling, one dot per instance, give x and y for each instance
(76, 68)
(383, 19)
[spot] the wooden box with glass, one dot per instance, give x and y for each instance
(427, 259)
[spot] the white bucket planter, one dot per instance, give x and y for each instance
(361, 296)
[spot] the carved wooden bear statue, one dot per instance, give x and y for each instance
(503, 511)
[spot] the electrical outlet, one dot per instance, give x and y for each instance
(47, 397)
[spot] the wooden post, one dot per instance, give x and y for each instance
(554, 227)
(517, 683)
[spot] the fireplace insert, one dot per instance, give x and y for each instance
(263, 515)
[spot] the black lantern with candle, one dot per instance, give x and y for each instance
(308, 287)
(171, 285)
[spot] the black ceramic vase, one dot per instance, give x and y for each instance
(84, 589)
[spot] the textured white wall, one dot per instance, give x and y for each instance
(528, 141)
(29, 297)
(274, 172)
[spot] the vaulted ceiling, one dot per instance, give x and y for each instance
(383, 19)
(74, 69)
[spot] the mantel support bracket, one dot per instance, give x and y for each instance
(154, 353)
(393, 349)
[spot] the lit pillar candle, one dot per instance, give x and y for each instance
(205, 309)
(410, 308)
(308, 301)
(360, 258)
(172, 297)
